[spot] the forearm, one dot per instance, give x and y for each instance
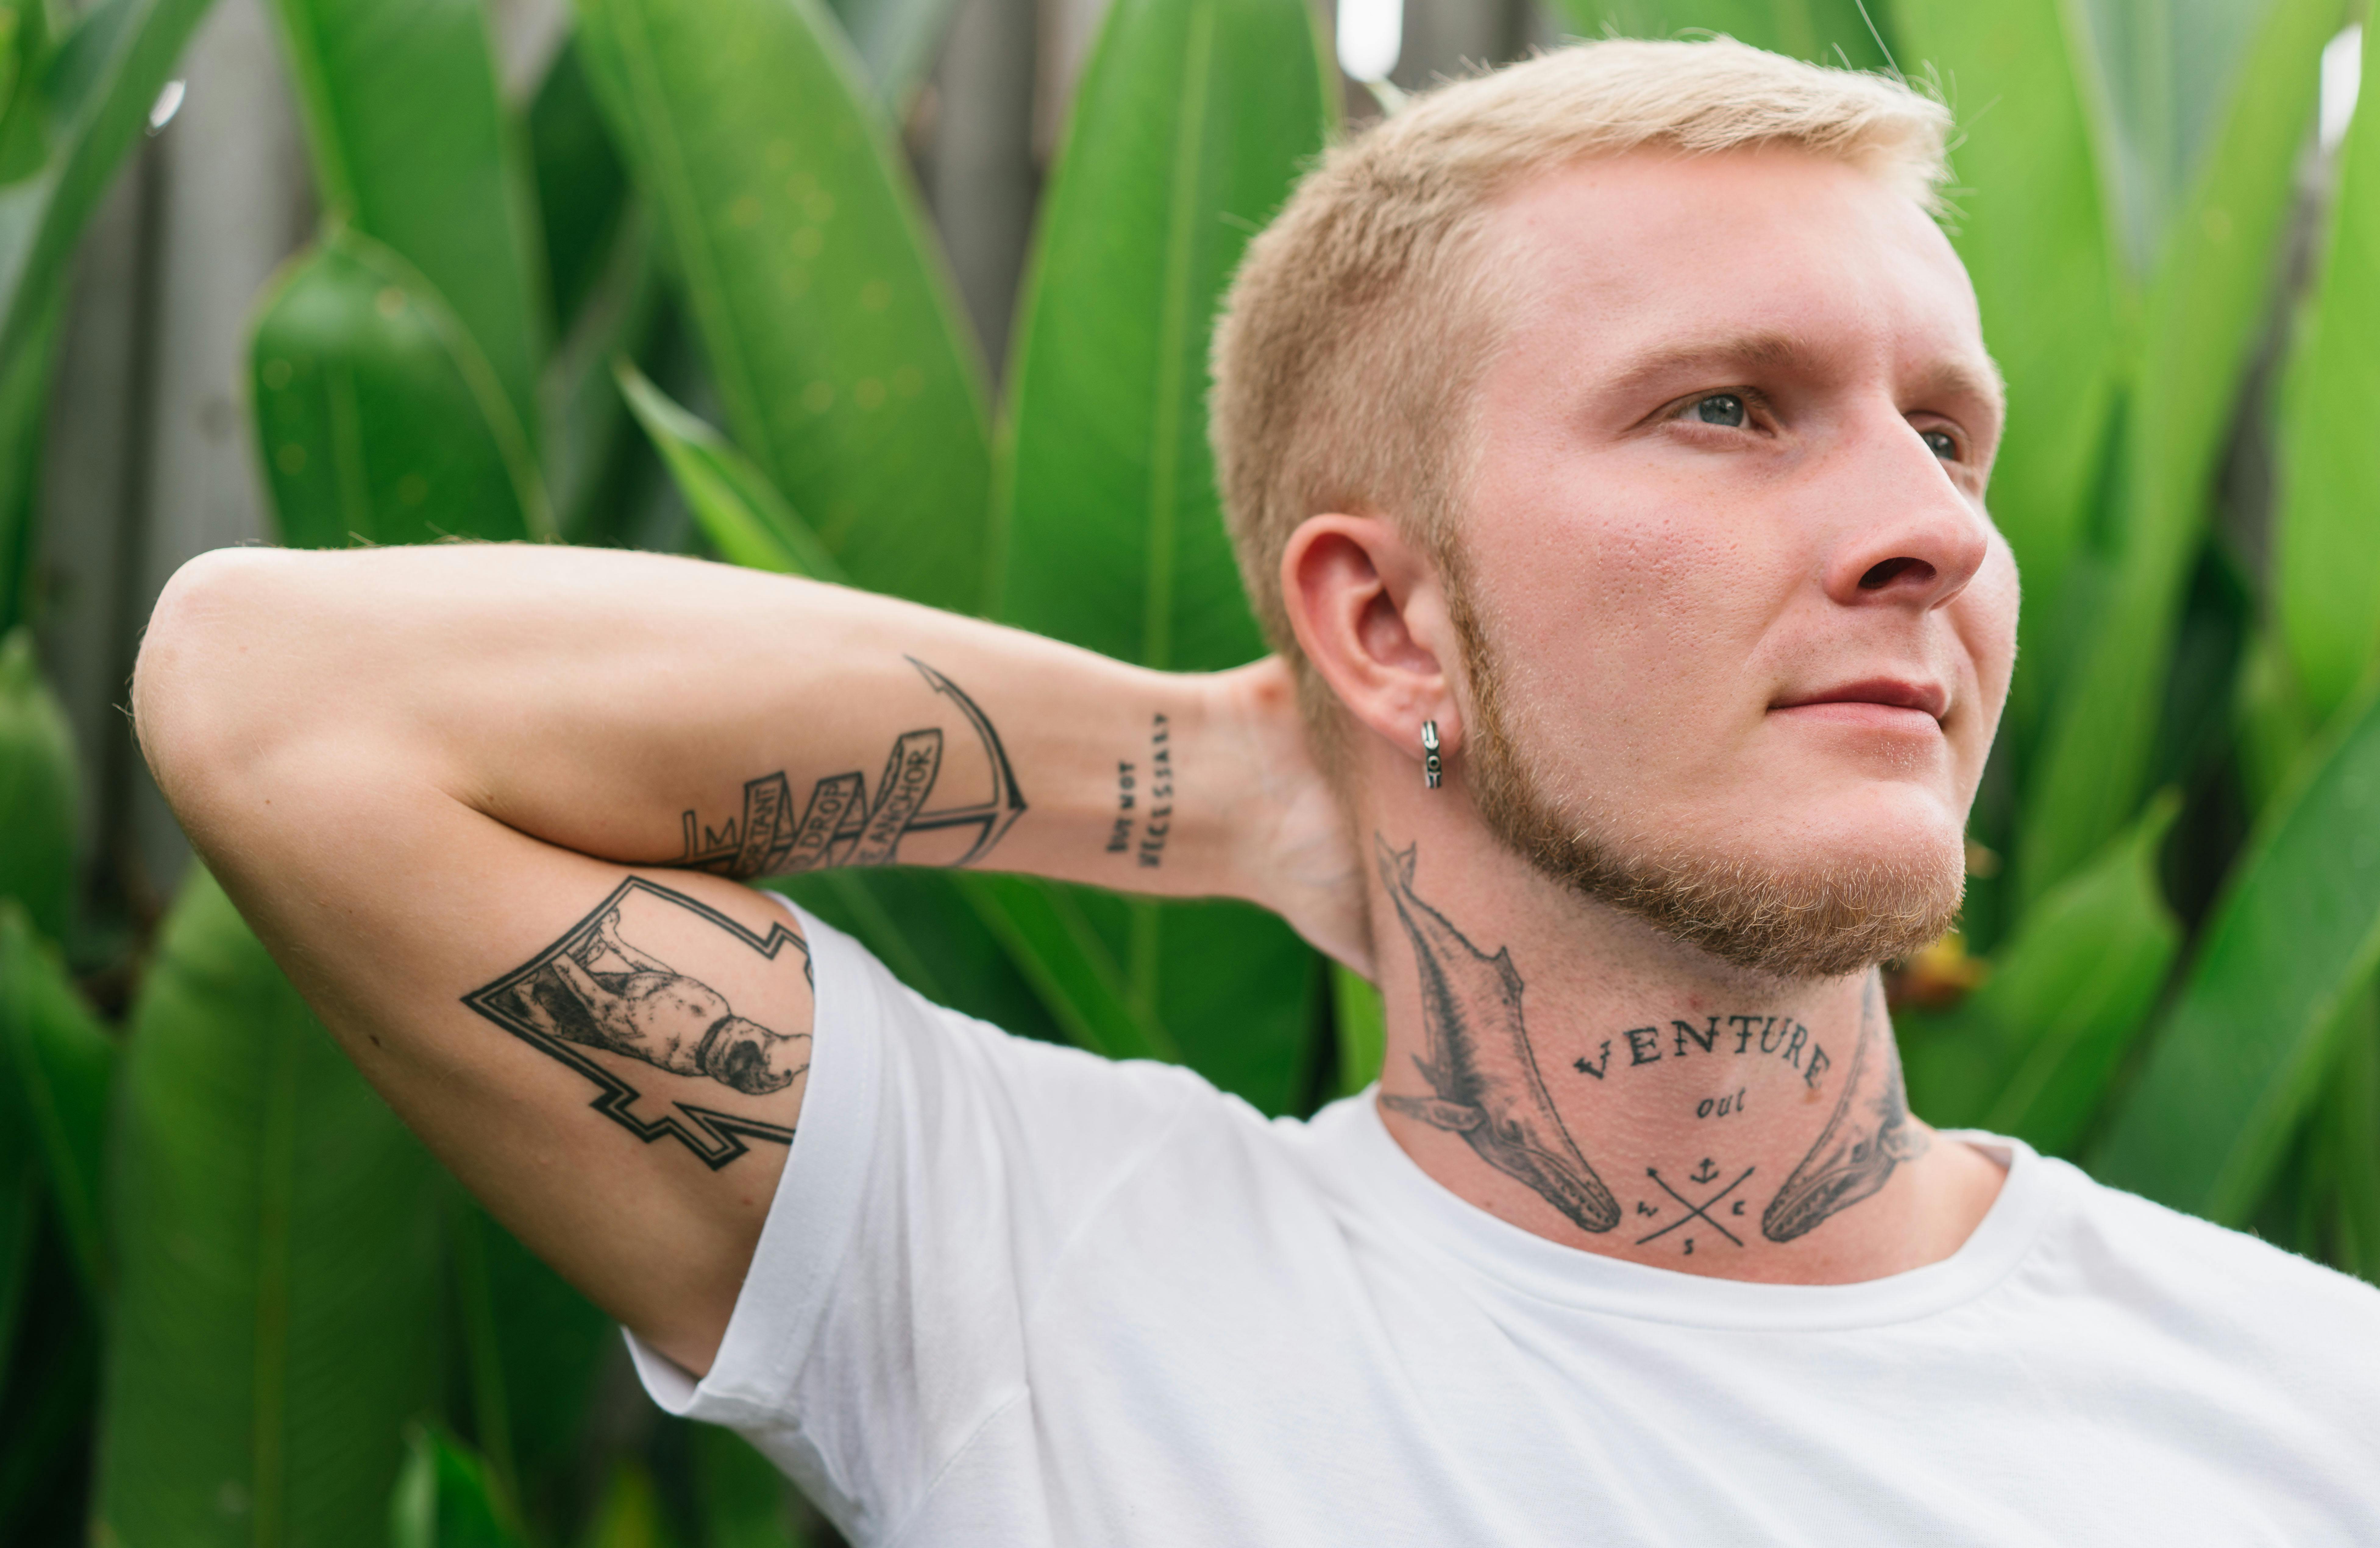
(656, 711)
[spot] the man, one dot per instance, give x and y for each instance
(1604, 442)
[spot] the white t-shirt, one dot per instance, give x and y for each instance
(1012, 1293)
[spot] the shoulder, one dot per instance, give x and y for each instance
(2217, 1288)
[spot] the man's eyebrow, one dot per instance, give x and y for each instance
(1948, 376)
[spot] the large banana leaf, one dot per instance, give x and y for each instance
(826, 314)
(376, 416)
(36, 791)
(1192, 121)
(1830, 31)
(2032, 226)
(20, 1206)
(406, 127)
(2289, 951)
(2200, 319)
(57, 1062)
(277, 1277)
(534, 1348)
(2327, 582)
(2032, 1053)
(745, 519)
(95, 92)
(582, 187)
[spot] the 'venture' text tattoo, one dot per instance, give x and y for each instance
(841, 825)
(610, 986)
(1480, 1064)
(1855, 1151)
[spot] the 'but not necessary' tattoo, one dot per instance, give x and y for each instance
(1160, 825)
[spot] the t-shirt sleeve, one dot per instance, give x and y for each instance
(939, 1170)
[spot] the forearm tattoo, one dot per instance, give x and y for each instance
(1145, 797)
(1479, 1062)
(1487, 1086)
(615, 984)
(841, 825)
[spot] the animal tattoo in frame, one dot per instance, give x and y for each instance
(1855, 1153)
(1479, 1063)
(609, 987)
(840, 825)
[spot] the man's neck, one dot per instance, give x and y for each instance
(1566, 1069)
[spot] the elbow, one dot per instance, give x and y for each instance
(200, 680)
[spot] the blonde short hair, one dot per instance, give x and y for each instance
(1357, 328)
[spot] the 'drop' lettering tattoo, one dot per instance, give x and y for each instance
(619, 983)
(1479, 1066)
(841, 824)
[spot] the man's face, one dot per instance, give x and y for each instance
(1741, 628)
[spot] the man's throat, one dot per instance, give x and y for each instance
(1715, 1141)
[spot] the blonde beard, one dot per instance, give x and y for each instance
(1823, 920)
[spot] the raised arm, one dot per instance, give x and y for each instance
(485, 805)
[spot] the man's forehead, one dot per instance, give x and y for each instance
(1770, 260)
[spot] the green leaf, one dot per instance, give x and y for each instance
(24, 414)
(445, 1499)
(582, 185)
(830, 325)
(36, 791)
(405, 123)
(2328, 553)
(20, 1206)
(745, 518)
(534, 1348)
(1362, 1024)
(58, 1063)
(1829, 32)
(897, 41)
(630, 1514)
(744, 1501)
(2287, 952)
(2031, 226)
(1050, 935)
(276, 1283)
(376, 416)
(96, 90)
(1192, 122)
(2077, 986)
(2211, 292)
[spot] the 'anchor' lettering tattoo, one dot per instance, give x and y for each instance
(840, 826)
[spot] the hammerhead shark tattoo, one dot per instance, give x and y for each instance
(1480, 1061)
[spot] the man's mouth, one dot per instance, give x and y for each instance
(1876, 701)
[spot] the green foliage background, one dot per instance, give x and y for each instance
(237, 1304)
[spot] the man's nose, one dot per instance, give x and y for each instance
(1918, 540)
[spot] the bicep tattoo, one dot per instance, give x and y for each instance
(617, 983)
(842, 823)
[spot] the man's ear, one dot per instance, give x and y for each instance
(1369, 610)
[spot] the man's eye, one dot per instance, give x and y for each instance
(1944, 445)
(1719, 408)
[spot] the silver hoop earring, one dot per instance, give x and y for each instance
(1431, 766)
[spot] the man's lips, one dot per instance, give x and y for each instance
(1877, 701)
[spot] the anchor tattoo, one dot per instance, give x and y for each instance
(1703, 1174)
(840, 826)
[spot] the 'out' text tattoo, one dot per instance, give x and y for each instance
(1480, 1065)
(605, 987)
(841, 825)
(1854, 1154)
